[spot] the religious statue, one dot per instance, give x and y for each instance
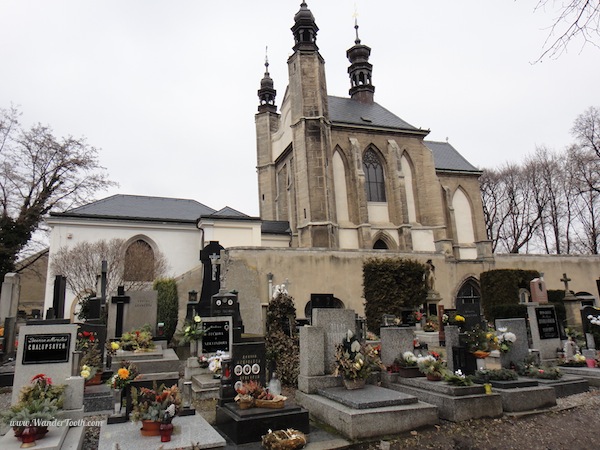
(570, 349)
(430, 275)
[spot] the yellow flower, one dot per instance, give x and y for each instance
(85, 373)
(459, 318)
(114, 346)
(123, 373)
(197, 319)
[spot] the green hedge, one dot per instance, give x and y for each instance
(556, 296)
(501, 287)
(508, 311)
(168, 305)
(282, 343)
(391, 285)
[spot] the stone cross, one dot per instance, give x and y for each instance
(121, 300)
(565, 280)
(214, 260)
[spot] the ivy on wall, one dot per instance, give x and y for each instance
(282, 343)
(168, 305)
(392, 285)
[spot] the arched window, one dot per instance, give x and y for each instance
(375, 183)
(380, 245)
(139, 262)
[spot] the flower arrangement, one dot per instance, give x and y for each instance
(112, 347)
(457, 378)
(91, 361)
(192, 330)
(431, 324)
(252, 393)
(127, 373)
(203, 361)
(214, 362)
(505, 339)
(496, 375)
(578, 360)
(154, 404)
(432, 365)
(408, 359)
(528, 368)
(137, 340)
(480, 340)
(453, 319)
(355, 361)
(417, 316)
(38, 401)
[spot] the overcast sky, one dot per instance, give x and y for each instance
(167, 89)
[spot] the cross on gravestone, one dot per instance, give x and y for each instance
(566, 280)
(120, 300)
(211, 282)
(214, 261)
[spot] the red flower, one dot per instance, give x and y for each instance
(86, 333)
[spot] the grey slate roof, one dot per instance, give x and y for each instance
(140, 207)
(347, 111)
(445, 157)
(275, 227)
(230, 212)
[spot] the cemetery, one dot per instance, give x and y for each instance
(417, 370)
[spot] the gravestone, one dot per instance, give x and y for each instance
(572, 305)
(219, 335)
(248, 363)
(139, 308)
(471, 312)
(520, 348)
(58, 298)
(46, 349)
(543, 324)
(99, 332)
(335, 324)
(9, 299)
(389, 320)
(394, 342)
(586, 312)
(210, 257)
(320, 301)
(537, 288)
(226, 304)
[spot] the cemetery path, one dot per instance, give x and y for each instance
(570, 425)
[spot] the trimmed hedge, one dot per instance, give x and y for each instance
(391, 285)
(501, 287)
(168, 305)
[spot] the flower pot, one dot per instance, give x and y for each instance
(479, 354)
(432, 377)
(409, 372)
(117, 400)
(150, 428)
(166, 429)
(590, 363)
(359, 383)
(95, 380)
(33, 432)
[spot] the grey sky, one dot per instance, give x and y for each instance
(167, 89)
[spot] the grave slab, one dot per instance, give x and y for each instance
(188, 431)
(455, 408)
(368, 423)
(567, 385)
(311, 385)
(52, 441)
(526, 398)
(249, 425)
(368, 397)
(169, 362)
(592, 375)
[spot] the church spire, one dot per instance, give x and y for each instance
(267, 93)
(305, 29)
(360, 70)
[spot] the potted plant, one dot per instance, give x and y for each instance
(37, 406)
(480, 342)
(150, 406)
(251, 394)
(506, 339)
(355, 361)
(406, 365)
(214, 363)
(192, 332)
(432, 366)
(457, 378)
(137, 340)
(127, 373)
(90, 365)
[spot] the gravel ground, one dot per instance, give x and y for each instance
(572, 424)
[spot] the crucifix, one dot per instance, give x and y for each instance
(214, 261)
(565, 280)
(120, 300)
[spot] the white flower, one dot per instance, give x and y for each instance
(171, 410)
(502, 329)
(510, 337)
(355, 347)
(590, 317)
(187, 329)
(409, 356)
(197, 319)
(459, 373)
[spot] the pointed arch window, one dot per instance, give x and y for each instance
(374, 182)
(139, 262)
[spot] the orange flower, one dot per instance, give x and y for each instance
(123, 373)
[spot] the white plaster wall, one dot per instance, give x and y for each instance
(181, 244)
(283, 137)
(463, 217)
(348, 238)
(378, 212)
(339, 185)
(422, 240)
(232, 233)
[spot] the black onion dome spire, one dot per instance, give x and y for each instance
(305, 29)
(360, 70)
(267, 93)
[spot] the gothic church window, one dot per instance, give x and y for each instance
(139, 262)
(374, 183)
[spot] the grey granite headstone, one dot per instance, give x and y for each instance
(9, 299)
(312, 351)
(335, 323)
(544, 330)
(394, 342)
(46, 349)
(520, 348)
(141, 310)
(452, 340)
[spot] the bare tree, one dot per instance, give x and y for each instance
(81, 265)
(586, 130)
(39, 172)
(576, 20)
(494, 204)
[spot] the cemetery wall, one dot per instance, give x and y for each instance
(340, 273)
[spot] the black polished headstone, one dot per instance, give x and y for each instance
(99, 332)
(46, 348)
(226, 304)
(218, 337)
(121, 300)
(58, 299)
(472, 314)
(211, 275)
(547, 322)
(248, 363)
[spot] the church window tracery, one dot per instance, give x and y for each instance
(375, 183)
